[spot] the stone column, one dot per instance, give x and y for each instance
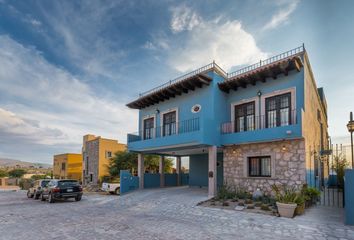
(141, 170)
(212, 171)
(178, 170)
(161, 171)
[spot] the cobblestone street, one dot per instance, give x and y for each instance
(169, 213)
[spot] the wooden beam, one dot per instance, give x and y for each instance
(297, 64)
(204, 79)
(188, 85)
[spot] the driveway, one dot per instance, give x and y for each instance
(169, 213)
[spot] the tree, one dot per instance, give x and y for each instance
(38, 177)
(129, 161)
(339, 165)
(17, 173)
(3, 173)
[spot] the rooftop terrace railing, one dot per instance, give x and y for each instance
(203, 69)
(270, 60)
(226, 75)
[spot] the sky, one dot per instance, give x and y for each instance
(67, 68)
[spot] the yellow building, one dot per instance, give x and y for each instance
(67, 166)
(96, 153)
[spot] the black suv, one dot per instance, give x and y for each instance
(62, 189)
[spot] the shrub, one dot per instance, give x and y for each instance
(285, 194)
(310, 193)
(265, 207)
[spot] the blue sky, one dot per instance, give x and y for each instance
(68, 68)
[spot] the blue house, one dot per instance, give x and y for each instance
(264, 124)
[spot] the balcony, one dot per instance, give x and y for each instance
(284, 125)
(183, 132)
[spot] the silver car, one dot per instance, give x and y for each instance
(36, 190)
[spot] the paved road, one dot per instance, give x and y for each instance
(156, 214)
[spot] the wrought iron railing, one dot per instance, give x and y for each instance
(262, 63)
(203, 69)
(253, 123)
(176, 128)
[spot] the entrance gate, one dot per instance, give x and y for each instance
(332, 187)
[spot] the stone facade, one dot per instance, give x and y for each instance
(287, 164)
(91, 161)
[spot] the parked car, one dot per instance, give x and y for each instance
(112, 188)
(36, 190)
(62, 189)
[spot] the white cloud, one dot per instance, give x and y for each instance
(52, 106)
(149, 45)
(282, 16)
(81, 38)
(184, 18)
(227, 43)
(11, 124)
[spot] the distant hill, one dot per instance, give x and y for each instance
(7, 162)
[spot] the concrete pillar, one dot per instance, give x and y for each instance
(178, 170)
(161, 171)
(141, 170)
(212, 172)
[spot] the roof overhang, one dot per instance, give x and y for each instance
(271, 70)
(171, 91)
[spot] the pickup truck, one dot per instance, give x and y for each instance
(112, 188)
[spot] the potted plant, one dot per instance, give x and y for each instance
(286, 200)
(300, 201)
(311, 195)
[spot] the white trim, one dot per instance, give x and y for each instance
(243, 101)
(142, 124)
(292, 92)
(168, 111)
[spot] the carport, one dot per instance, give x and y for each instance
(205, 168)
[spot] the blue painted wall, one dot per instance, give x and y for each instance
(349, 196)
(128, 182)
(151, 180)
(170, 179)
(198, 170)
(216, 109)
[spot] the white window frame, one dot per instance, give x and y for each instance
(168, 111)
(243, 101)
(142, 125)
(292, 92)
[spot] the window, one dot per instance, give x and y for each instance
(169, 123)
(91, 177)
(108, 154)
(278, 110)
(63, 166)
(244, 117)
(87, 164)
(259, 166)
(148, 128)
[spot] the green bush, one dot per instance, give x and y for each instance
(284, 194)
(225, 192)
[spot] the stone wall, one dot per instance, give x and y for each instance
(287, 164)
(91, 151)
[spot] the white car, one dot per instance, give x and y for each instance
(112, 188)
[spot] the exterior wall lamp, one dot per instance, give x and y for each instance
(259, 93)
(157, 111)
(350, 127)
